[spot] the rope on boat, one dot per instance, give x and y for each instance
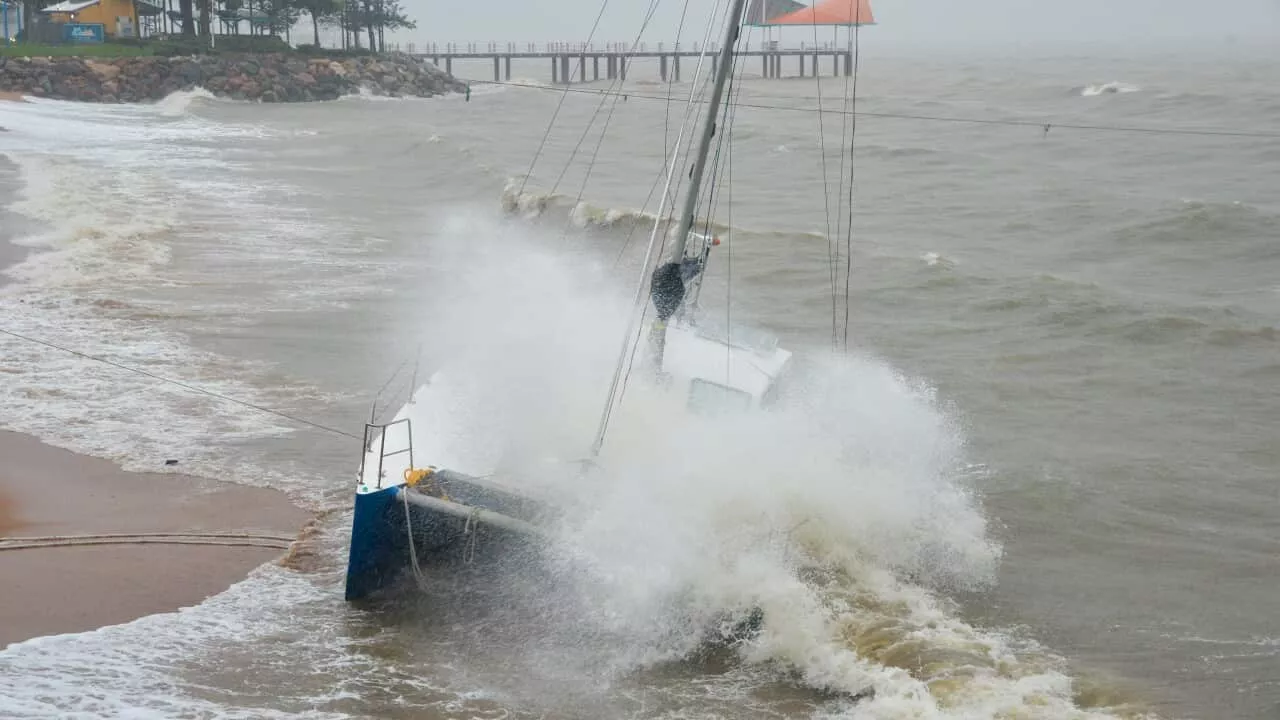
(276, 542)
(474, 517)
(472, 531)
(413, 550)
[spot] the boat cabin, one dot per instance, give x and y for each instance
(722, 369)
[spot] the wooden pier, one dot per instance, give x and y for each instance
(574, 61)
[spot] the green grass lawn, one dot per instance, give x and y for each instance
(105, 50)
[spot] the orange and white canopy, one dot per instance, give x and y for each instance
(827, 12)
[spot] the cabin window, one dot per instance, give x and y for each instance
(709, 397)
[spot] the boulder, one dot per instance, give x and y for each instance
(192, 72)
(106, 71)
(271, 77)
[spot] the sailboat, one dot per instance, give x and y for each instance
(407, 510)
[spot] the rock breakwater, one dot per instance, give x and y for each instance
(266, 77)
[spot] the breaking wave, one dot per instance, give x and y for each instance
(539, 208)
(104, 254)
(531, 204)
(847, 515)
(1111, 88)
(1233, 225)
(179, 103)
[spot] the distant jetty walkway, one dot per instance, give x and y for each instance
(570, 61)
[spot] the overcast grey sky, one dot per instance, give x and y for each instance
(902, 22)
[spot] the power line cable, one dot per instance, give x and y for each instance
(559, 105)
(1038, 124)
(178, 383)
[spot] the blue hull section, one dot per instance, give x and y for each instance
(380, 540)
(379, 544)
(380, 537)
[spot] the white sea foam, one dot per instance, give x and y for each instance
(112, 191)
(528, 82)
(157, 666)
(933, 259)
(843, 513)
(115, 192)
(1111, 88)
(179, 103)
(364, 94)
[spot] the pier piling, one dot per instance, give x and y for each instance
(618, 56)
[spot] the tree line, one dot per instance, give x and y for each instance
(357, 19)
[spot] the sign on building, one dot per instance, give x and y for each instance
(84, 33)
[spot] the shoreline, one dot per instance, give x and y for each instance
(47, 491)
(10, 182)
(271, 77)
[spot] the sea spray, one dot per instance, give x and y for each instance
(178, 104)
(842, 512)
(1114, 87)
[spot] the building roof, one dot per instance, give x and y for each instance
(70, 6)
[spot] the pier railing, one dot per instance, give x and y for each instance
(551, 48)
(569, 60)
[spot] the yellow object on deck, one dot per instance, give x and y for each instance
(413, 476)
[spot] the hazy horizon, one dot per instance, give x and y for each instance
(915, 24)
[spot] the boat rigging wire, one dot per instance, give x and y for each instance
(728, 262)
(710, 186)
(722, 141)
(732, 114)
(693, 114)
(653, 7)
(560, 105)
(666, 113)
(179, 383)
(853, 137)
(728, 19)
(373, 411)
(631, 339)
(826, 191)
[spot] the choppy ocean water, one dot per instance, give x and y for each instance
(1044, 483)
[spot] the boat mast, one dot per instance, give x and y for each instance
(686, 215)
(708, 131)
